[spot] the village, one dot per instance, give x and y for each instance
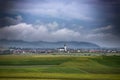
(61, 50)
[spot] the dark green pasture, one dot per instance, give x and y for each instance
(44, 67)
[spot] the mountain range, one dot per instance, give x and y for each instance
(44, 44)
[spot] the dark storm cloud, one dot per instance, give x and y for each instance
(7, 21)
(5, 5)
(110, 12)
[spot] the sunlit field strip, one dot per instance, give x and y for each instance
(60, 76)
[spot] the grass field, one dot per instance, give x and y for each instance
(17, 67)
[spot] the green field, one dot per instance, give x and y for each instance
(43, 67)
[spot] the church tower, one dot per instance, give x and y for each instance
(65, 47)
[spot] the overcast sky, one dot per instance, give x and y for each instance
(94, 21)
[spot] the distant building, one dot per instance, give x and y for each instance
(63, 49)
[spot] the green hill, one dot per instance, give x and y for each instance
(60, 67)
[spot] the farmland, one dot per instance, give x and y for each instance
(59, 67)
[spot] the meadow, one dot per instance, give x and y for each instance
(59, 67)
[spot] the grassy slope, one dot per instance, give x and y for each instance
(60, 67)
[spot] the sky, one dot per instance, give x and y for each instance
(95, 21)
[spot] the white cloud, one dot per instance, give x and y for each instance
(66, 34)
(103, 37)
(109, 27)
(53, 26)
(29, 32)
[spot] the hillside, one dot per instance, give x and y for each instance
(43, 44)
(38, 67)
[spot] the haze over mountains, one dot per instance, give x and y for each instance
(43, 44)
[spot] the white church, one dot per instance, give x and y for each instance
(63, 49)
